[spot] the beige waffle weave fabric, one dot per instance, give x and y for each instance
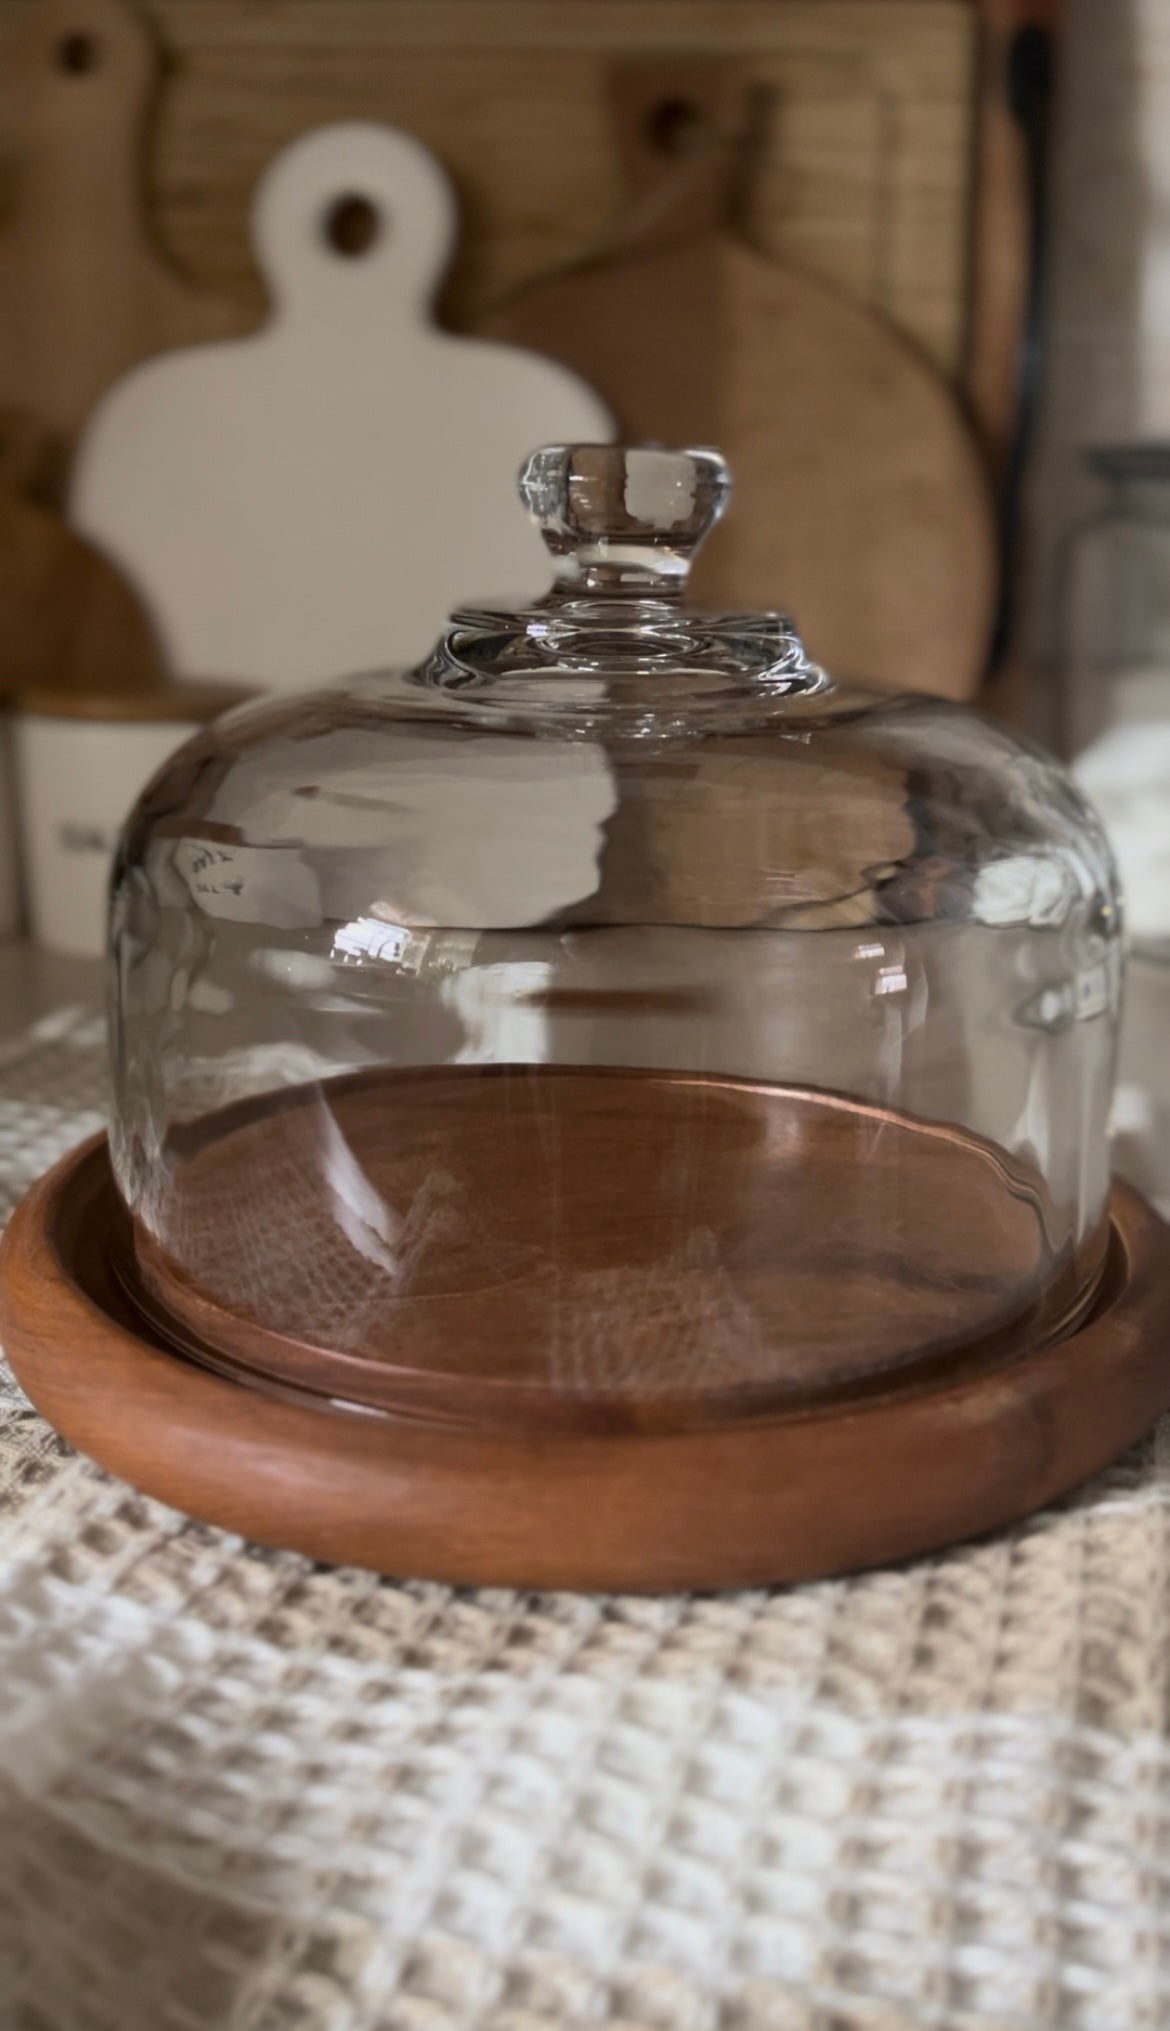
(239, 1792)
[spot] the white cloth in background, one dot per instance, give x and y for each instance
(1126, 773)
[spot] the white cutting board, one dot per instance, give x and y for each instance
(312, 501)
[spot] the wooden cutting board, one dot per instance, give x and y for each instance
(861, 502)
(314, 500)
(84, 293)
(66, 616)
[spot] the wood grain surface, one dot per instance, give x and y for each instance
(756, 1244)
(67, 617)
(864, 178)
(862, 503)
(84, 291)
(782, 1499)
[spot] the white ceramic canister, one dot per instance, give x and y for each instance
(10, 913)
(81, 760)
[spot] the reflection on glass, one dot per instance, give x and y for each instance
(612, 1013)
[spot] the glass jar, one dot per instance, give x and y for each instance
(1116, 673)
(1117, 598)
(611, 1015)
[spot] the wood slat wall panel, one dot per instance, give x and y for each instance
(863, 177)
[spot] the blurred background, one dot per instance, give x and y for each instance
(289, 287)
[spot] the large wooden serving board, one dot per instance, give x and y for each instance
(862, 502)
(85, 292)
(67, 617)
(790, 1496)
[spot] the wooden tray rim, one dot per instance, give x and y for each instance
(858, 1483)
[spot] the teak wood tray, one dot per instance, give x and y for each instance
(794, 1495)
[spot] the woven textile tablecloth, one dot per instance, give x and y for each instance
(239, 1792)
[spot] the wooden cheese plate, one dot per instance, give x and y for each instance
(797, 1493)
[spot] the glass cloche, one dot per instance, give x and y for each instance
(612, 1016)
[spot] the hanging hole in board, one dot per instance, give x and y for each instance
(674, 126)
(78, 53)
(352, 225)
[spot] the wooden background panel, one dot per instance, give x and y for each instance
(862, 176)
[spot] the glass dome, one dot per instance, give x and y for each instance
(612, 1017)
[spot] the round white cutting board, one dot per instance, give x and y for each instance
(312, 501)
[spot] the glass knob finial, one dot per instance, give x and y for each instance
(623, 517)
